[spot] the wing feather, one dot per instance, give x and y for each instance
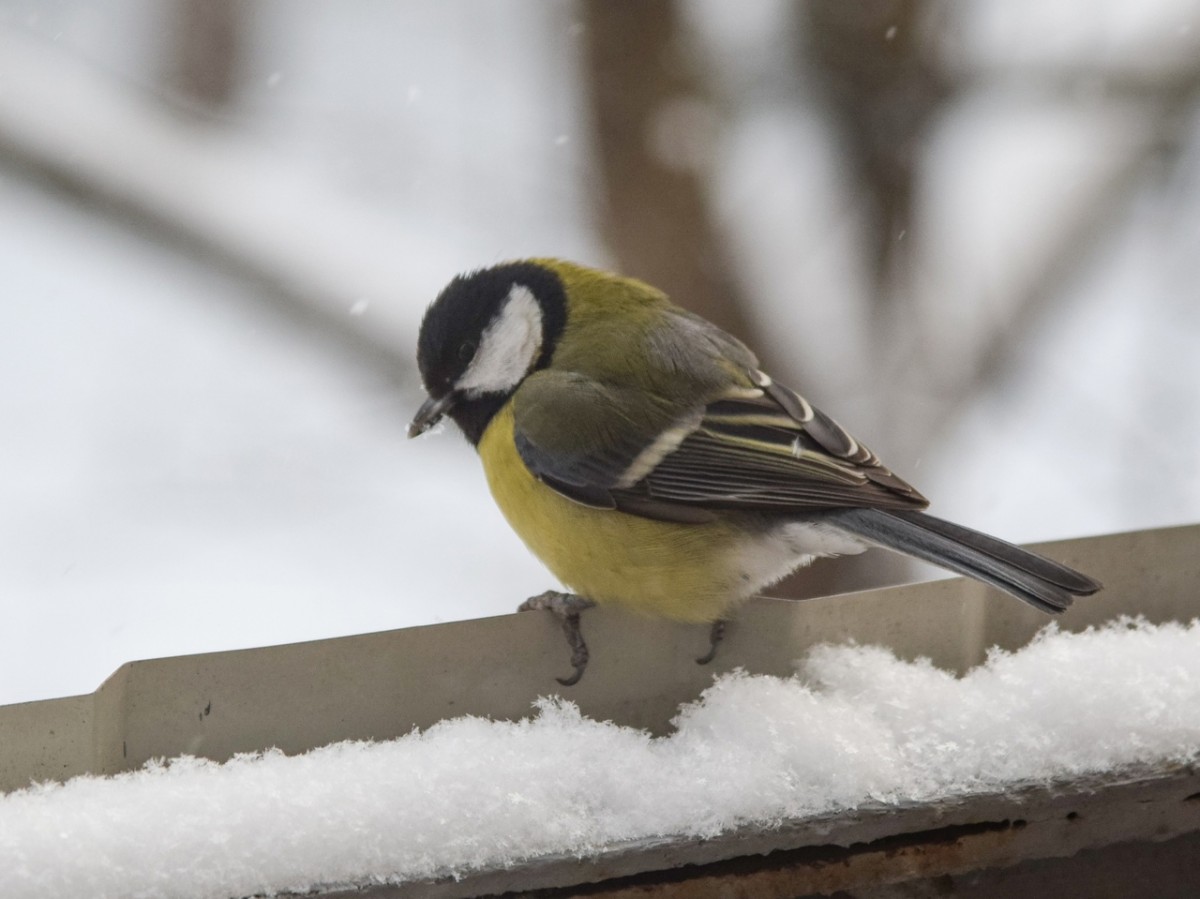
(756, 447)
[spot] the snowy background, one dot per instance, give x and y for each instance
(209, 307)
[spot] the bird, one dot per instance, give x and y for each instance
(646, 459)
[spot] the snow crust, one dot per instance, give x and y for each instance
(855, 725)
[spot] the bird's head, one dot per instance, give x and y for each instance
(482, 336)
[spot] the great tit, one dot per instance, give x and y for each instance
(641, 453)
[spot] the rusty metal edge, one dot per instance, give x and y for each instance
(869, 845)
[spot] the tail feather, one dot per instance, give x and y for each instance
(1041, 582)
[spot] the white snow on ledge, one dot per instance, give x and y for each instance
(854, 725)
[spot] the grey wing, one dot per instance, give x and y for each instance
(587, 433)
(764, 449)
(585, 438)
(754, 448)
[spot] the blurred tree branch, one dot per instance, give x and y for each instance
(208, 44)
(883, 88)
(1171, 99)
(653, 126)
(124, 154)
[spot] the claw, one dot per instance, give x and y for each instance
(715, 635)
(566, 606)
(579, 650)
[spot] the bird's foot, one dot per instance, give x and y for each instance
(715, 635)
(566, 606)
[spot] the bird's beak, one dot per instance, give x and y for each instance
(431, 413)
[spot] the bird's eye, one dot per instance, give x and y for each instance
(466, 351)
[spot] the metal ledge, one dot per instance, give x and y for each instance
(869, 847)
(380, 686)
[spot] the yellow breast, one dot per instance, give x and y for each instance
(684, 572)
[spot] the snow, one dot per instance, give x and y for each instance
(855, 725)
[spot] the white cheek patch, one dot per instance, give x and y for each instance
(508, 347)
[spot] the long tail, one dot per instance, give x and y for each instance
(1044, 584)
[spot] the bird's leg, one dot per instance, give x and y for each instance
(715, 635)
(567, 607)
